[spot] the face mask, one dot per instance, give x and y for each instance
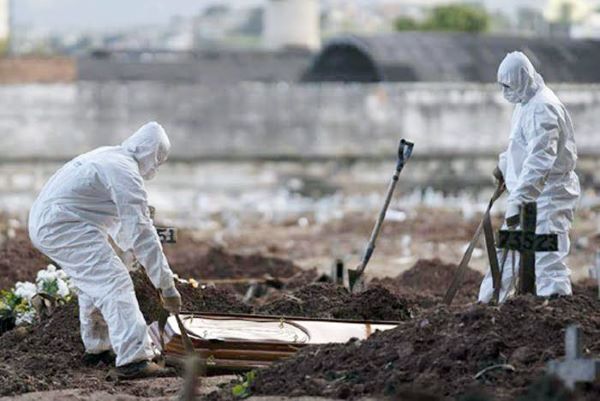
(160, 158)
(150, 174)
(510, 95)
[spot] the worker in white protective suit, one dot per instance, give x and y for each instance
(538, 166)
(96, 195)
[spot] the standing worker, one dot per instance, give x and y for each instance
(538, 166)
(96, 195)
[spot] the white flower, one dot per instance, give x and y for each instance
(51, 268)
(46, 275)
(61, 274)
(25, 290)
(63, 289)
(25, 318)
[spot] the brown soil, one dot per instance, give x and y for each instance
(328, 301)
(202, 260)
(19, 260)
(434, 225)
(48, 355)
(440, 353)
(43, 357)
(430, 278)
(208, 299)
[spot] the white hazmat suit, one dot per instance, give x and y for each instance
(96, 195)
(538, 166)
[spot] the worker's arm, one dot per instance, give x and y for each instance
(541, 133)
(137, 232)
(500, 171)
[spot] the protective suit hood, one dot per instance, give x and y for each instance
(150, 147)
(518, 78)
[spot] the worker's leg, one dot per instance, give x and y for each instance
(94, 330)
(86, 256)
(551, 272)
(126, 324)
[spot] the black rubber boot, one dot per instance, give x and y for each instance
(138, 370)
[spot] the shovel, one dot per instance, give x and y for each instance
(194, 364)
(484, 227)
(355, 278)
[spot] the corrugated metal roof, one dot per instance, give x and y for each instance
(439, 57)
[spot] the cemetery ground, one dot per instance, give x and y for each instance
(437, 352)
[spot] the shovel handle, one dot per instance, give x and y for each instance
(187, 342)
(404, 153)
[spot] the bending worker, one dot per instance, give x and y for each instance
(96, 195)
(538, 166)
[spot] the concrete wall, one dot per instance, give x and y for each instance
(210, 68)
(271, 120)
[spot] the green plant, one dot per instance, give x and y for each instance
(457, 17)
(3, 47)
(405, 24)
(242, 389)
(11, 304)
(453, 17)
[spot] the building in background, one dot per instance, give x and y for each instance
(4, 24)
(292, 24)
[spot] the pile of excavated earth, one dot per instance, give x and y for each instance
(435, 353)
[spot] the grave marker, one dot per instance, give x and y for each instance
(527, 243)
(574, 368)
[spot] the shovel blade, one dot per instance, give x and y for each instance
(356, 282)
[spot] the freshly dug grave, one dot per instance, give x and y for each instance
(47, 356)
(441, 352)
(429, 280)
(329, 301)
(19, 260)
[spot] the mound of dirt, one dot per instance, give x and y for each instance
(441, 351)
(202, 260)
(201, 299)
(329, 301)
(431, 278)
(48, 355)
(44, 356)
(19, 260)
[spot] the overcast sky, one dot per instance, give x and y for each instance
(106, 15)
(67, 15)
